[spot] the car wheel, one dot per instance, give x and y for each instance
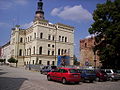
(49, 78)
(91, 81)
(64, 81)
(97, 79)
(111, 79)
(76, 82)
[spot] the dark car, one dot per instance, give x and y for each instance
(47, 69)
(64, 75)
(101, 75)
(87, 75)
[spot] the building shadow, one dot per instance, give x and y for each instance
(8, 83)
(2, 73)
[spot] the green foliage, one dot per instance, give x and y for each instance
(2, 60)
(106, 29)
(12, 60)
(76, 61)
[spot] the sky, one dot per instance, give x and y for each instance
(76, 13)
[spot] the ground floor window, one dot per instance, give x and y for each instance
(53, 62)
(40, 61)
(48, 62)
(33, 61)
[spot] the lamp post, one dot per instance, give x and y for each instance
(55, 42)
(95, 59)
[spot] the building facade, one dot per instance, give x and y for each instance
(42, 42)
(6, 52)
(87, 56)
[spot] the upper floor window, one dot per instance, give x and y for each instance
(62, 52)
(33, 50)
(21, 39)
(85, 44)
(52, 46)
(48, 45)
(59, 38)
(53, 37)
(41, 35)
(58, 51)
(48, 52)
(40, 61)
(34, 35)
(62, 38)
(20, 52)
(65, 39)
(30, 38)
(52, 52)
(40, 50)
(49, 37)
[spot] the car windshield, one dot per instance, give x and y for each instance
(73, 71)
(90, 71)
(115, 71)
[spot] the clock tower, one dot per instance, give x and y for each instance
(39, 14)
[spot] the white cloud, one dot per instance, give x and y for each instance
(89, 36)
(2, 24)
(75, 13)
(27, 25)
(22, 2)
(6, 4)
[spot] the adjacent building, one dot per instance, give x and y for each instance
(87, 56)
(6, 51)
(42, 42)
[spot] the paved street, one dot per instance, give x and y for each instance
(21, 79)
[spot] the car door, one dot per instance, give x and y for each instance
(58, 75)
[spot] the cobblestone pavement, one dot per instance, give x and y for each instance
(21, 79)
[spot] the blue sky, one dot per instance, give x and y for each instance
(77, 13)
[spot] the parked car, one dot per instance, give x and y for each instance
(47, 69)
(101, 75)
(87, 75)
(64, 75)
(112, 74)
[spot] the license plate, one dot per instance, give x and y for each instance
(75, 75)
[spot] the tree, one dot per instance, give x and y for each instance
(13, 60)
(76, 61)
(106, 29)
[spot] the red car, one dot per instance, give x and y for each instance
(65, 75)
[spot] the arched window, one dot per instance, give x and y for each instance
(52, 52)
(48, 52)
(41, 35)
(40, 50)
(49, 37)
(20, 52)
(62, 52)
(65, 39)
(34, 35)
(33, 50)
(29, 51)
(25, 51)
(65, 51)
(21, 39)
(58, 51)
(62, 38)
(53, 37)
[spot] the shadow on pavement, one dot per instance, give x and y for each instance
(2, 73)
(8, 83)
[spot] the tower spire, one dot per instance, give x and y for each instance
(39, 14)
